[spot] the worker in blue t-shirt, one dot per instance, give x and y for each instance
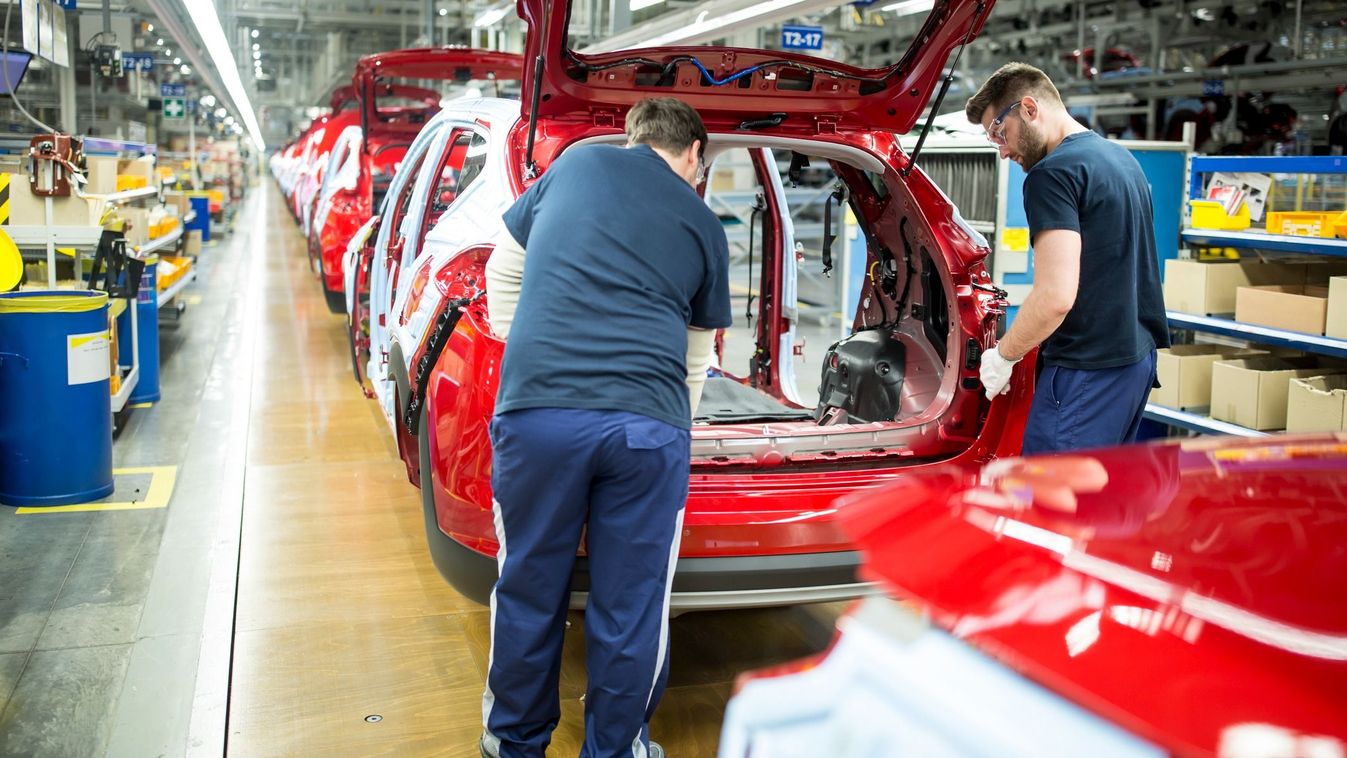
(610, 321)
(1096, 305)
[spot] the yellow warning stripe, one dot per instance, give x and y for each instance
(4, 198)
(162, 479)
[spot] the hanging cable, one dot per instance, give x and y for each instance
(759, 205)
(9, 85)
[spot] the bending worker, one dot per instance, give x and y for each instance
(618, 299)
(1096, 306)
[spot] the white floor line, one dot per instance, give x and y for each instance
(210, 701)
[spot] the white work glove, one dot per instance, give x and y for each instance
(995, 372)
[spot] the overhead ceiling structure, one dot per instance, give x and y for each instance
(301, 49)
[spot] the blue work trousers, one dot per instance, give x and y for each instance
(1075, 409)
(623, 478)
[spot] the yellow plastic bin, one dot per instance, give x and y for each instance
(1301, 223)
(1210, 214)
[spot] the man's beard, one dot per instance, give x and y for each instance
(1031, 146)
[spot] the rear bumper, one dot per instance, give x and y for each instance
(700, 584)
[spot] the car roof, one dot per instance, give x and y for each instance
(1185, 590)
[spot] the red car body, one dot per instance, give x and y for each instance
(759, 527)
(386, 132)
(1190, 593)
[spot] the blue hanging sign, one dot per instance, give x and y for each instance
(66, 4)
(173, 90)
(802, 37)
(143, 62)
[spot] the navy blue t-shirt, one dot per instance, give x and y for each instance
(1095, 187)
(622, 256)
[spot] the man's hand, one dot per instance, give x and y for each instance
(995, 372)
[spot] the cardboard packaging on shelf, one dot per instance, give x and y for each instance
(1295, 308)
(27, 209)
(1317, 404)
(102, 174)
(1184, 373)
(1204, 289)
(1335, 321)
(1252, 392)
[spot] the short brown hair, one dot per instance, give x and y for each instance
(1010, 83)
(666, 123)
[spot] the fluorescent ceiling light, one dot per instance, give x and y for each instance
(491, 16)
(159, 42)
(208, 26)
(637, 5)
(149, 27)
(255, 33)
(909, 7)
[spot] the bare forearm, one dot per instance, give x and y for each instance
(1038, 318)
(700, 353)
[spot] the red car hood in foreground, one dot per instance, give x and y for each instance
(1194, 593)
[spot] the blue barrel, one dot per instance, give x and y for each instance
(147, 331)
(55, 412)
(202, 221)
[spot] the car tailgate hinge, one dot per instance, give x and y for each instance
(605, 117)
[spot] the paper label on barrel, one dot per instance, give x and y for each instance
(87, 357)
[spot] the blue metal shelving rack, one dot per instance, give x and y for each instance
(1252, 240)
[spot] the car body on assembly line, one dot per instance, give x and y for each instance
(898, 395)
(1183, 598)
(366, 155)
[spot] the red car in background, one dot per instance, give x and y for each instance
(898, 396)
(323, 138)
(391, 113)
(1184, 599)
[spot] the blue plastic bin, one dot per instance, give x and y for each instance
(147, 331)
(202, 221)
(55, 412)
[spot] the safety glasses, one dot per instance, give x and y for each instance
(997, 133)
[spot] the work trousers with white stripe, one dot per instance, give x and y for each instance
(622, 478)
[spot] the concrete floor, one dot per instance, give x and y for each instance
(283, 593)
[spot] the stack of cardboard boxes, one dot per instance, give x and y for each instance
(1259, 388)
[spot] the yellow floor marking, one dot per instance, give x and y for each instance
(142, 405)
(162, 480)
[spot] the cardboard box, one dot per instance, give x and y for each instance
(1317, 404)
(1295, 308)
(193, 244)
(141, 167)
(1335, 321)
(1184, 372)
(1252, 392)
(137, 229)
(1207, 288)
(177, 203)
(102, 174)
(27, 209)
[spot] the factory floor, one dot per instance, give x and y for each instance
(259, 584)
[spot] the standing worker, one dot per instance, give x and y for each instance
(1096, 306)
(611, 319)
